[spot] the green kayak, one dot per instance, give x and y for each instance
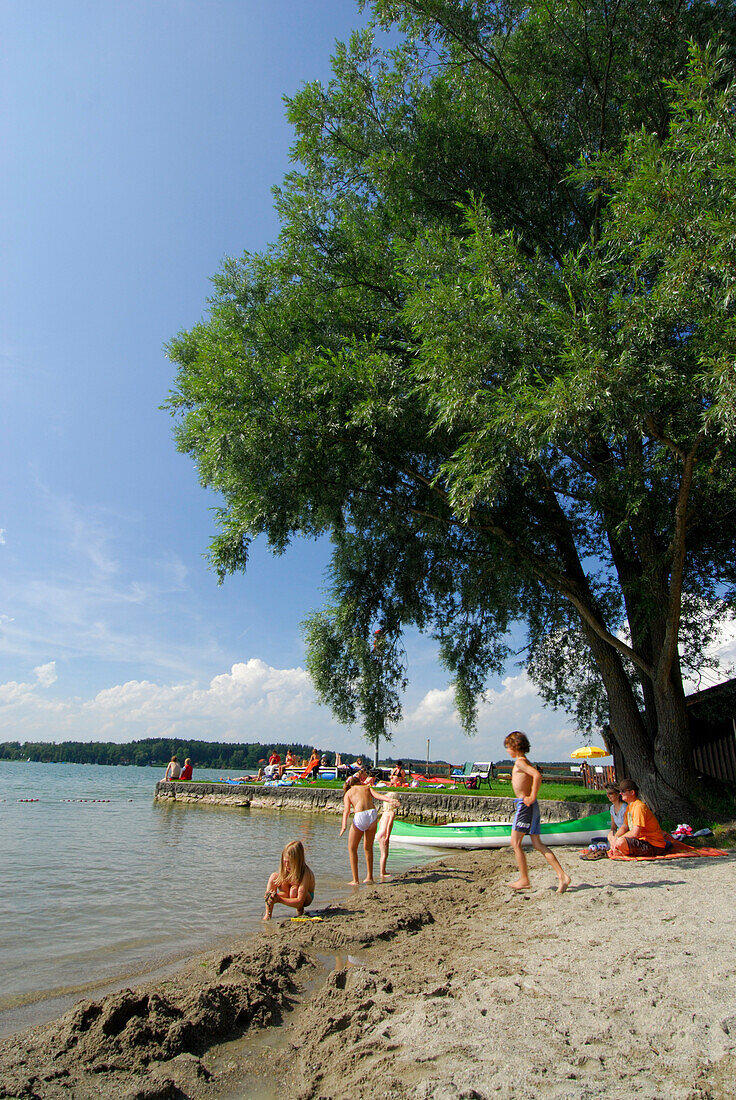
(493, 834)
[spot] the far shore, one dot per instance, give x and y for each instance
(441, 984)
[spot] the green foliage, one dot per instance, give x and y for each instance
(491, 355)
(353, 675)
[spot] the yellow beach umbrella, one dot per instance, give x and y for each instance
(587, 752)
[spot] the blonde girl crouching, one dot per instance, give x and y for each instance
(292, 884)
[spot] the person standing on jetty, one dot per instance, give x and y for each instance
(359, 798)
(526, 781)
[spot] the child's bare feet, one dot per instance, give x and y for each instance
(385, 877)
(564, 883)
(520, 884)
(368, 882)
(354, 882)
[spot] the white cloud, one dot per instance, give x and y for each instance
(85, 536)
(255, 701)
(515, 704)
(46, 674)
(2, 536)
(437, 706)
(251, 702)
(12, 692)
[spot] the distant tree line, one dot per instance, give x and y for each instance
(152, 751)
(157, 751)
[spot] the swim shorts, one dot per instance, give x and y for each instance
(364, 819)
(526, 818)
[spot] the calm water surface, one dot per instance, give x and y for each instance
(97, 893)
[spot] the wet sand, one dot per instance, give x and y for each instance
(442, 983)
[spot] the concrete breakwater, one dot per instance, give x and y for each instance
(423, 806)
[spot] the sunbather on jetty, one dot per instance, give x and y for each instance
(359, 798)
(173, 770)
(292, 884)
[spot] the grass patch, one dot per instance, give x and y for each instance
(725, 835)
(555, 792)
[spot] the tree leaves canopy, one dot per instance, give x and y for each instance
(491, 354)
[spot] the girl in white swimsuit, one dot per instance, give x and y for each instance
(363, 819)
(359, 798)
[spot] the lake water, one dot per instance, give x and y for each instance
(97, 894)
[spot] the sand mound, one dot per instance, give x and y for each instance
(124, 1033)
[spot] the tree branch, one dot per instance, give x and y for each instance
(573, 590)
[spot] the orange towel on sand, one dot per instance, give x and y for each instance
(677, 851)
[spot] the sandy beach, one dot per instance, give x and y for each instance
(441, 983)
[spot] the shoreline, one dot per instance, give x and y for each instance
(441, 983)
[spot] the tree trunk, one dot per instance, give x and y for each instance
(673, 754)
(662, 769)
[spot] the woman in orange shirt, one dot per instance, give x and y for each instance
(640, 834)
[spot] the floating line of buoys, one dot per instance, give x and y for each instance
(108, 800)
(86, 800)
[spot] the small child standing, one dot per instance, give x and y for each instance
(526, 781)
(385, 824)
(292, 884)
(383, 834)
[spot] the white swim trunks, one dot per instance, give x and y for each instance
(363, 819)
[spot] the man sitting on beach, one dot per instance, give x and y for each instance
(640, 834)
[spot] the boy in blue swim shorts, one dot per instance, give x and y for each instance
(526, 781)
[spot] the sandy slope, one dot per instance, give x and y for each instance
(440, 984)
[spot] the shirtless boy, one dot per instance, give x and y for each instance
(526, 780)
(359, 798)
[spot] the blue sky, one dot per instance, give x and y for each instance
(141, 140)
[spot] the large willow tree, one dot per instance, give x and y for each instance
(492, 356)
